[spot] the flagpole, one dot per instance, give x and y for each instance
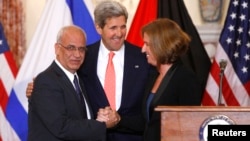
(223, 64)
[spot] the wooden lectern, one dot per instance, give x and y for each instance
(187, 123)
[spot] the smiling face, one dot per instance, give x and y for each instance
(113, 33)
(71, 59)
(146, 48)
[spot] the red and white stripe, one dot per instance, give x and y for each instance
(234, 92)
(8, 73)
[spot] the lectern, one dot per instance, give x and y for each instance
(189, 123)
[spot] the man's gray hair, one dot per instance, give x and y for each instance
(108, 9)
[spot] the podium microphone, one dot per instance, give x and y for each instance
(223, 64)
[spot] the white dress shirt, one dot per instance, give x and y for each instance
(118, 61)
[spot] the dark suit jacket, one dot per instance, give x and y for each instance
(55, 113)
(135, 75)
(179, 87)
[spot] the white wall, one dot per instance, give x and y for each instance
(33, 9)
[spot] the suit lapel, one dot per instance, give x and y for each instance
(62, 77)
(86, 98)
(91, 66)
(131, 70)
(164, 85)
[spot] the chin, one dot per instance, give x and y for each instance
(151, 63)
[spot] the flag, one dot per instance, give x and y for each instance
(196, 58)
(147, 8)
(40, 53)
(84, 19)
(234, 47)
(8, 72)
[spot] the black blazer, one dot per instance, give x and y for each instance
(135, 75)
(179, 87)
(55, 113)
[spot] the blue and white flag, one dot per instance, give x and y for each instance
(40, 54)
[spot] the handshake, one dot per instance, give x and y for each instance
(109, 116)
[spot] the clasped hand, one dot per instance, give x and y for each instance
(109, 116)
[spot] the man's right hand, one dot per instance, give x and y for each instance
(109, 116)
(29, 89)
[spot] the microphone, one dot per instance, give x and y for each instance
(223, 64)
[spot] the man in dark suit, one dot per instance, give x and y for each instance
(59, 109)
(131, 71)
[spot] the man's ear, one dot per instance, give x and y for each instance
(56, 46)
(98, 29)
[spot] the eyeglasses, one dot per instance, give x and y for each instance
(72, 48)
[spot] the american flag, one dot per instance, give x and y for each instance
(8, 73)
(234, 47)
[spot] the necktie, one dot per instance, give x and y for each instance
(79, 95)
(109, 82)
